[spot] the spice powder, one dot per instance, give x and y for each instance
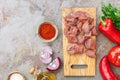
(47, 31)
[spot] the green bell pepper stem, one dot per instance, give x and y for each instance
(103, 22)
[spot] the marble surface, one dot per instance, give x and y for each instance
(20, 44)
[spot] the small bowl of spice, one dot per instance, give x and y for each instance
(16, 76)
(47, 31)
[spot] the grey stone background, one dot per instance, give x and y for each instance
(20, 44)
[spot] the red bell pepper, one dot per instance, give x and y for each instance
(106, 70)
(107, 27)
(114, 56)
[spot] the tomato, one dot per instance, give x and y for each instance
(114, 56)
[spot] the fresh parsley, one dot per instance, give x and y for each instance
(111, 12)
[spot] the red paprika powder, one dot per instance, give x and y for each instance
(47, 31)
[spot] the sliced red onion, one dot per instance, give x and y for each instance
(47, 49)
(54, 65)
(46, 55)
(46, 61)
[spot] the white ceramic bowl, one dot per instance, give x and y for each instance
(44, 40)
(17, 73)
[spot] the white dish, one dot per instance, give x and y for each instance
(16, 72)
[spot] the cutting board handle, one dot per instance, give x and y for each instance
(82, 69)
(79, 66)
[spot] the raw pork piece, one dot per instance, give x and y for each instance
(79, 14)
(79, 26)
(72, 39)
(70, 20)
(88, 35)
(91, 53)
(90, 43)
(75, 48)
(85, 27)
(79, 48)
(71, 49)
(80, 39)
(70, 31)
(94, 31)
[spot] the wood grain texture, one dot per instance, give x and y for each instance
(77, 59)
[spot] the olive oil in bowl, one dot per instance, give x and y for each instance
(46, 76)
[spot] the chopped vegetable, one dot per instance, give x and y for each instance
(54, 65)
(46, 54)
(113, 13)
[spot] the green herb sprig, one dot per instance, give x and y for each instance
(111, 12)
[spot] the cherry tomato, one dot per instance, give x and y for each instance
(114, 56)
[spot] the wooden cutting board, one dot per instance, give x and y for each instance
(77, 59)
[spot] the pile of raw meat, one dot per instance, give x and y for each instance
(79, 29)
